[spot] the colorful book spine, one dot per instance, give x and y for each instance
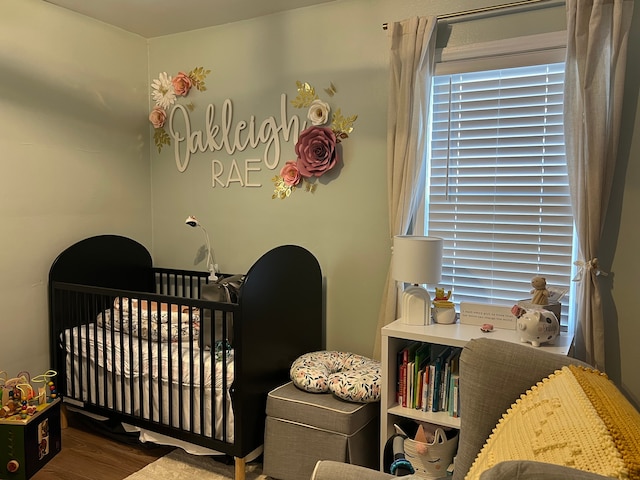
(456, 396)
(437, 381)
(402, 399)
(432, 377)
(409, 403)
(425, 388)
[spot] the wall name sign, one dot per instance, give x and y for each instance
(316, 147)
(225, 134)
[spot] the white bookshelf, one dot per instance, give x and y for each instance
(397, 335)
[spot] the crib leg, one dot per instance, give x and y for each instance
(63, 417)
(240, 468)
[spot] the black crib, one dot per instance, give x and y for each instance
(126, 337)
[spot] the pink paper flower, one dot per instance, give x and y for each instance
(181, 84)
(157, 117)
(290, 174)
(316, 150)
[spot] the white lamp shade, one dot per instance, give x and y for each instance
(417, 259)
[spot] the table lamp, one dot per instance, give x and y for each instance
(416, 260)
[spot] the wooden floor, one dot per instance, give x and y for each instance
(88, 454)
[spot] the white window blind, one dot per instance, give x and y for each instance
(498, 185)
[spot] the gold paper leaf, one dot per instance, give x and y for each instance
(160, 138)
(190, 106)
(197, 76)
(281, 190)
(306, 95)
(341, 125)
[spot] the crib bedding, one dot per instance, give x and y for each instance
(131, 356)
(156, 310)
(169, 370)
(158, 322)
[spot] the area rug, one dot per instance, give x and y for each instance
(180, 465)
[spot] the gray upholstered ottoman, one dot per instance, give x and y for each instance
(302, 428)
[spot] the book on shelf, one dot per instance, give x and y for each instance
(450, 402)
(405, 356)
(432, 371)
(450, 367)
(422, 355)
(437, 380)
(425, 388)
(411, 360)
(410, 368)
(398, 378)
(428, 377)
(402, 388)
(452, 383)
(454, 409)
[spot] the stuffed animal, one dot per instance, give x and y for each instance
(440, 296)
(539, 291)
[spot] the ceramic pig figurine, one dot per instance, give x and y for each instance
(537, 327)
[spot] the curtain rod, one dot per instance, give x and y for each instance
(493, 8)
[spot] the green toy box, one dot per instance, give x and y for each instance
(27, 444)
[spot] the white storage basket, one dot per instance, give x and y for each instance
(431, 460)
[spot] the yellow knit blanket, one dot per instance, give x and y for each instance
(576, 417)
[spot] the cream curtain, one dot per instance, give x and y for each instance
(411, 69)
(597, 36)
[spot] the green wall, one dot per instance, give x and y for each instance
(74, 154)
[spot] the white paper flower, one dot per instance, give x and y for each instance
(318, 112)
(163, 92)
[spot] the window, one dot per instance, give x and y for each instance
(497, 188)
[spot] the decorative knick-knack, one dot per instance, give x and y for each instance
(540, 293)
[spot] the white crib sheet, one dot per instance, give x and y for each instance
(143, 371)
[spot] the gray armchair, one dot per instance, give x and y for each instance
(493, 374)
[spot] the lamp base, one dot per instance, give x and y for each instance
(416, 306)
